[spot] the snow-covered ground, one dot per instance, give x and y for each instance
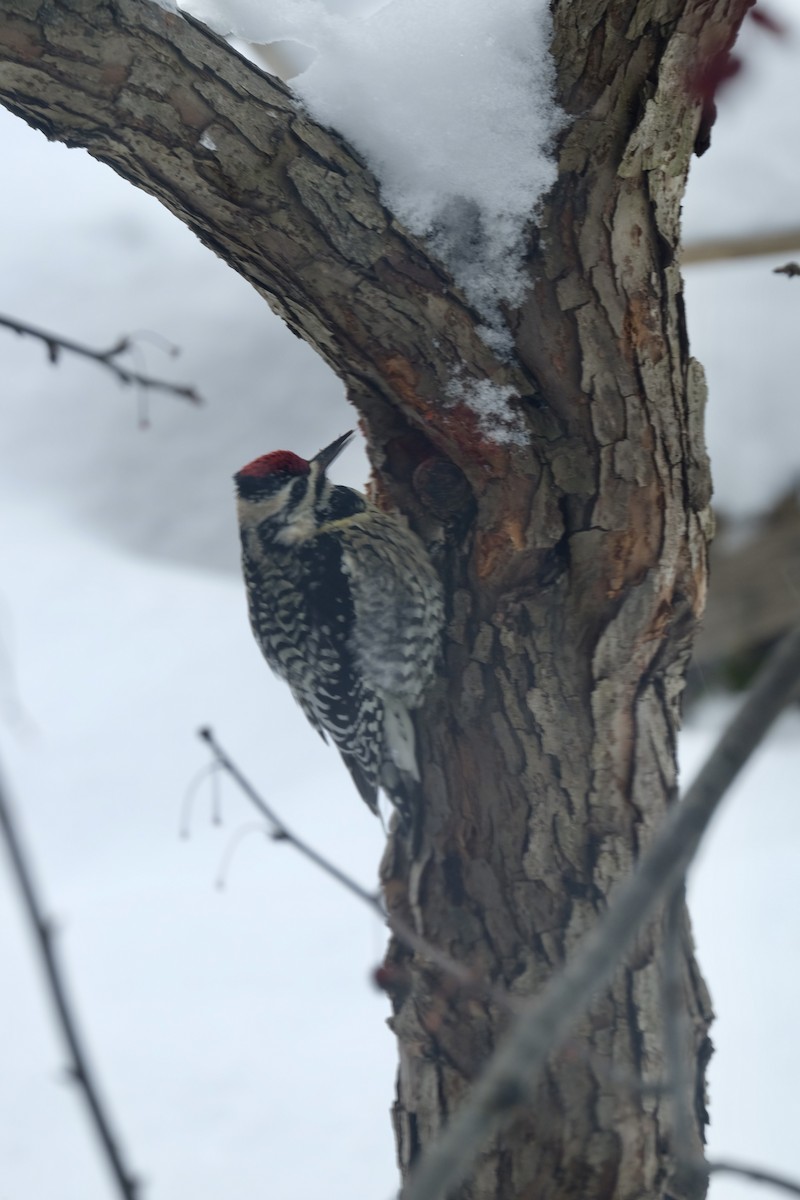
(122, 629)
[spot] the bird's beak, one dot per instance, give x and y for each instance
(326, 456)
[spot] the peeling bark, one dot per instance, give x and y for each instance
(575, 567)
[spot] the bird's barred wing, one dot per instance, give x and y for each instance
(397, 604)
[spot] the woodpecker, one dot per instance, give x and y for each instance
(346, 608)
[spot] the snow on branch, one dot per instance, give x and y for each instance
(451, 105)
(233, 153)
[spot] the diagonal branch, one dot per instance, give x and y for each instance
(281, 832)
(42, 928)
(513, 1072)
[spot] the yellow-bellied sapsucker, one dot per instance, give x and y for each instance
(346, 607)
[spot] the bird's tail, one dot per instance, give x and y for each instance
(398, 732)
(400, 772)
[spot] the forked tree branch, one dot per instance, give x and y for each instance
(513, 1072)
(586, 527)
(43, 932)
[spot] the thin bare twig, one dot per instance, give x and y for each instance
(106, 358)
(465, 978)
(515, 1069)
(281, 831)
(43, 932)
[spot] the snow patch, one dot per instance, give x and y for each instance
(491, 404)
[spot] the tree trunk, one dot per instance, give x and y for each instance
(575, 566)
(572, 622)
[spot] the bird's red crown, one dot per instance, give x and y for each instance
(279, 462)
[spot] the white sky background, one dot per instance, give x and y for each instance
(123, 628)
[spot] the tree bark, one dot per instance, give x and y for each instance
(575, 567)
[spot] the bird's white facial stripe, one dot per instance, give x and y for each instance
(295, 520)
(301, 527)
